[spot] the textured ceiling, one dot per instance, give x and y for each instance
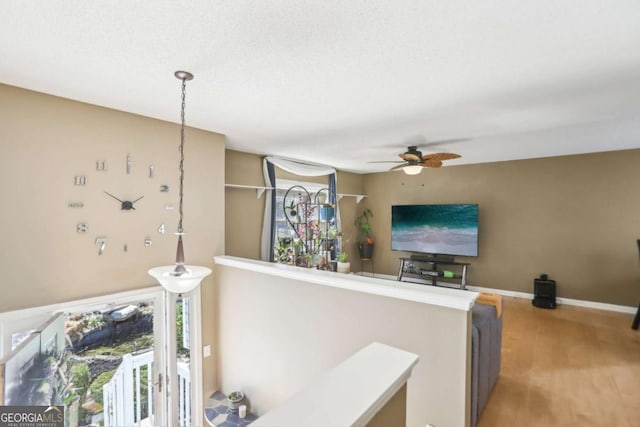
(347, 82)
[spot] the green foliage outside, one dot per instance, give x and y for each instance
(179, 336)
(80, 376)
(96, 321)
(142, 342)
(144, 389)
(96, 385)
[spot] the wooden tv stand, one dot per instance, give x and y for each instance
(428, 270)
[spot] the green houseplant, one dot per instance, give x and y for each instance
(365, 236)
(343, 266)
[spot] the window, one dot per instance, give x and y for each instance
(43, 347)
(283, 229)
(18, 337)
(305, 225)
(270, 237)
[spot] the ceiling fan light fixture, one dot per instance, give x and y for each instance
(412, 169)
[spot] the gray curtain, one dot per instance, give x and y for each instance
(268, 224)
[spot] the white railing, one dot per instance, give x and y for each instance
(184, 394)
(123, 399)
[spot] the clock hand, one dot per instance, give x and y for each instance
(129, 205)
(109, 194)
(125, 205)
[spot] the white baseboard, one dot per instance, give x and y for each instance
(529, 296)
(559, 300)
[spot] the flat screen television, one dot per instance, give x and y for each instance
(435, 229)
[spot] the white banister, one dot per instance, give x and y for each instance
(122, 395)
(184, 394)
(136, 389)
(127, 385)
(118, 385)
(150, 393)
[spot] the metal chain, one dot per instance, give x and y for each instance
(184, 90)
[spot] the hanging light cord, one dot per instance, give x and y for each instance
(180, 268)
(180, 279)
(184, 90)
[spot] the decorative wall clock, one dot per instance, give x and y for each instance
(127, 202)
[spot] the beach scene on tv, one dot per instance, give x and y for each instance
(435, 229)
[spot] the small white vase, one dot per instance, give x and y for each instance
(344, 267)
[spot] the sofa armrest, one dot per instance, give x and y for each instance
(486, 345)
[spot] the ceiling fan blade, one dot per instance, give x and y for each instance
(387, 161)
(432, 163)
(445, 141)
(410, 156)
(395, 168)
(440, 156)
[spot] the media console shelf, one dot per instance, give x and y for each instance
(433, 271)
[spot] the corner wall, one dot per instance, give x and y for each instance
(575, 218)
(45, 142)
(277, 334)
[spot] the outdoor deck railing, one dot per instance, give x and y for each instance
(128, 396)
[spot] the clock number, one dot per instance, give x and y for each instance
(164, 188)
(151, 170)
(101, 165)
(128, 163)
(169, 207)
(161, 229)
(82, 227)
(147, 241)
(101, 241)
(80, 180)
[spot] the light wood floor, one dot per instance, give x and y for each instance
(570, 366)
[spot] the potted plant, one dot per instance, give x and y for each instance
(344, 266)
(365, 237)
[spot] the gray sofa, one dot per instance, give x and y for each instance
(486, 343)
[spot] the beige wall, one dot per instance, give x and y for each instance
(575, 218)
(277, 334)
(394, 412)
(244, 211)
(46, 141)
(572, 217)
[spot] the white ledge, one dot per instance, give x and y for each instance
(358, 197)
(259, 189)
(443, 297)
(341, 397)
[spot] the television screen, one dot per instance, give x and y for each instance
(435, 229)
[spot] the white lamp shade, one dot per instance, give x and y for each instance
(183, 283)
(412, 169)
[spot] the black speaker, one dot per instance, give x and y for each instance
(544, 292)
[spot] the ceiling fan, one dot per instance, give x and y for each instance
(413, 160)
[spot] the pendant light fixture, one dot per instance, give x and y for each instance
(180, 278)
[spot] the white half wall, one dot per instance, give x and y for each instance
(277, 334)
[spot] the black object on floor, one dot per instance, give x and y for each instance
(636, 320)
(544, 292)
